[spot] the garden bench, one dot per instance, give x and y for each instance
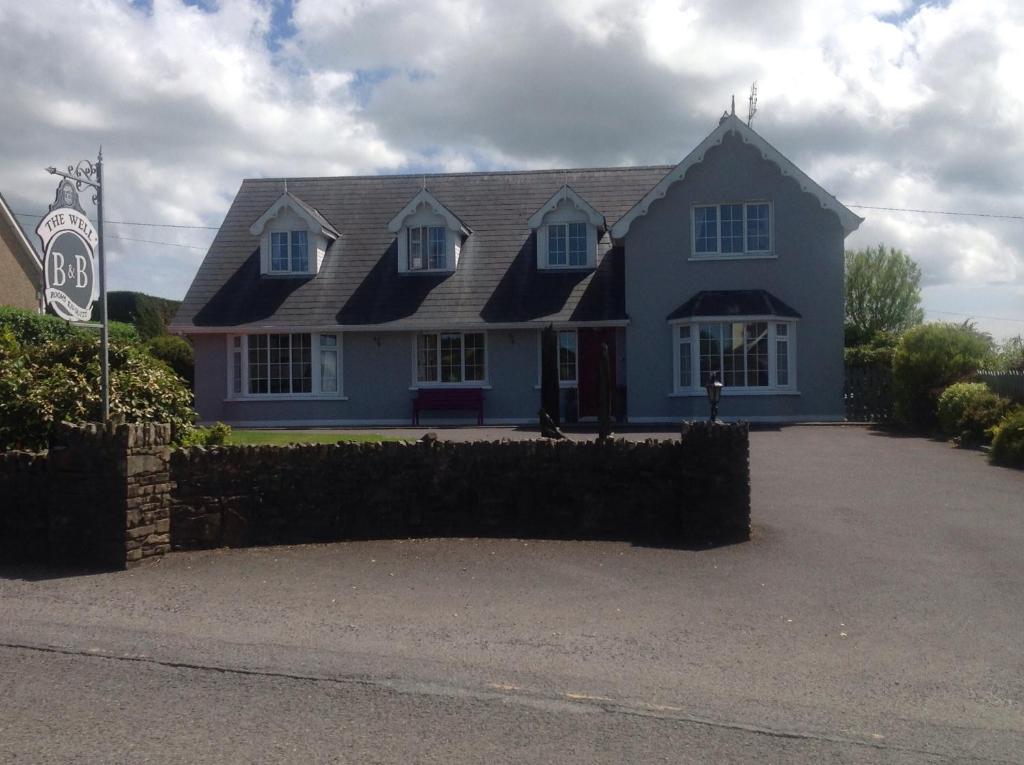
(449, 399)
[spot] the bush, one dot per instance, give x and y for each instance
(876, 351)
(967, 411)
(215, 435)
(46, 382)
(928, 360)
(1008, 440)
(31, 328)
(176, 353)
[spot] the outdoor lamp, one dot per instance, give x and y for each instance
(714, 389)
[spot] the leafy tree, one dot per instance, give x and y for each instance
(883, 293)
(1011, 355)
(929, 359)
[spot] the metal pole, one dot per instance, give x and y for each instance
(104, 324)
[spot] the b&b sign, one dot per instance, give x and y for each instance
(69, 243)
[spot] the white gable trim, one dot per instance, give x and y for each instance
(425, 197)
(566, 193)
(732, 124)
(293, 204)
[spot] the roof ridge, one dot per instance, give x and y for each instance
(379, 176)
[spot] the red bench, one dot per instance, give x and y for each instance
(448, 399)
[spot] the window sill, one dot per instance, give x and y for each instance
(567, 268)
(288, 397)
(562, 386)
(449, 386)
(736, 392)
(287, 274)
(736, 256)
(427, 271)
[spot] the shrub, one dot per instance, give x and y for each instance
(215, 435)
(1008, 440)
(31, 328)
(44, 383)
(876, 351)
(176, 353)
(928, 360)
(967, 411)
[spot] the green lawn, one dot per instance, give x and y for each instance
(280, 437)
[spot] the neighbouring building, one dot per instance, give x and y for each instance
(21, 273)
(343, 301)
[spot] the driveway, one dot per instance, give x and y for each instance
(877, 616)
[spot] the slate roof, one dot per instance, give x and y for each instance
(497, 280)
(727, 303)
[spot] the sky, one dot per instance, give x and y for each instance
(885, 103)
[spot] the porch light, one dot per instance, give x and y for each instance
(714, 389)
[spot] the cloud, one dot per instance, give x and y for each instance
(885, 102)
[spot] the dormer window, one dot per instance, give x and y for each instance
(429, 237)
(428, 249)
(294, 238)
(568, 229)
(289, 252)
(567, 244)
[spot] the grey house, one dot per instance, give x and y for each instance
(348, 301)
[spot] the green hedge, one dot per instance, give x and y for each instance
(968, 411)
(1008, 440)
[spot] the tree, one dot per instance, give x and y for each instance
(1011, 355)
(883, 293)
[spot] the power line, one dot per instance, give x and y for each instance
(974, 316)
(135, 223)
(938, 212)
(153, 241)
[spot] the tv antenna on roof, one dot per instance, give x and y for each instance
(752, 104)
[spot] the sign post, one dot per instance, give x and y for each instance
(70, 245)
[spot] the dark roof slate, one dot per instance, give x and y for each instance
(497, 280)
(733, 303)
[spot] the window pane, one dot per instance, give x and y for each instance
(556, 245)
(236, 365)
(328, 363)
(757, 227)
(437, 255)
(258, 363)
(757, 353)
(451, 358)
(706, 222)
(577, 244)
(426, 358)
(300, 251)
(710, 351)
(280, 362)
(415, 249)
(302, 364)
(475, 356)
(279, 251)
(567, 356)
(782, 354)
(733, 355)
(685, 358)
(732, 228)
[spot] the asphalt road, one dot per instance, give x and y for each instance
(877, 616)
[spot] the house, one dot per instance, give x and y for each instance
(341, 301)
(21, 273)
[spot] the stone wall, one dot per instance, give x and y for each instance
(694, 490)
(112, 496)
(99, 498)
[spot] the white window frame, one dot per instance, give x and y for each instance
(291, 254)
(564, 226)
(425, 256)
(563, 384)
(238, 347)
(418, 384)
(745, 254)
(772, 389)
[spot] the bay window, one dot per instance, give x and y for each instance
(284, 365)
(451, 358)
(749, 354)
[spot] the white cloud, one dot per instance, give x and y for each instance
(885, 102)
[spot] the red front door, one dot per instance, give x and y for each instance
(590, 364)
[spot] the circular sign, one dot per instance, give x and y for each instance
(70, 273)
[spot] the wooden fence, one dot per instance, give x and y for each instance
(1009, 384)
